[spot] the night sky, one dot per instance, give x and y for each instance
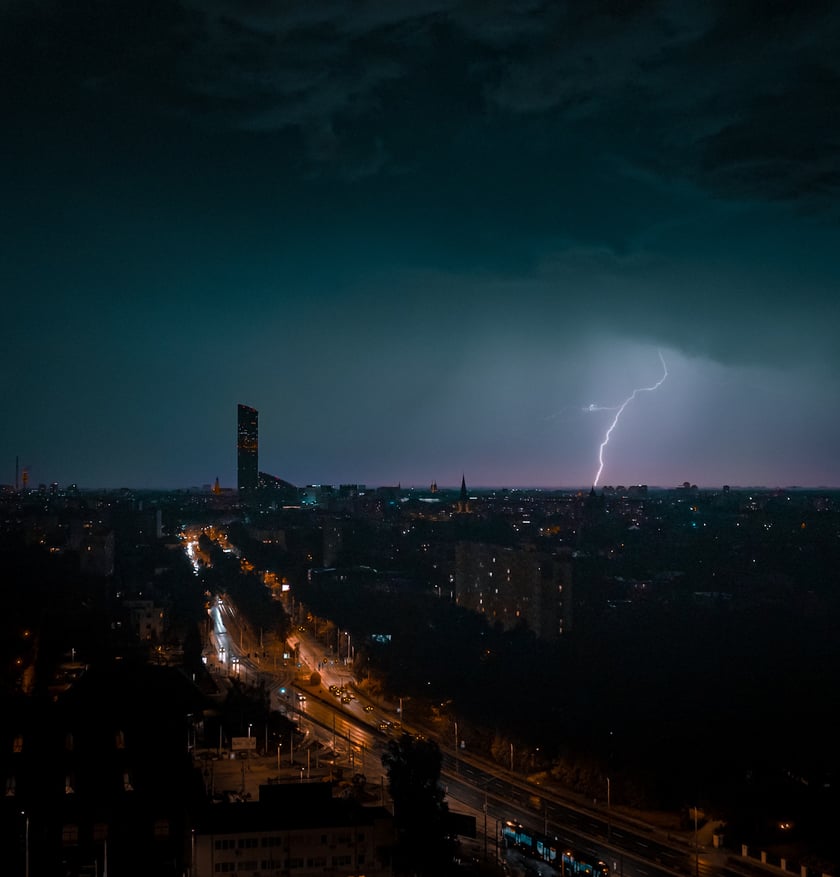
(423, 238)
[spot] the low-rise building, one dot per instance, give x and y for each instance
(299, 830)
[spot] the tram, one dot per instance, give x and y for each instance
(535, 845)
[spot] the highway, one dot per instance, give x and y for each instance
(492, 794)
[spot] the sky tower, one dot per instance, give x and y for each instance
(247, 448)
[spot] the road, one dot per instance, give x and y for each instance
(632, 852)
(358, 735)
(494, 795)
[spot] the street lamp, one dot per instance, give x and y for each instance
(26, 839)
(696, 850)
(249, 730)
(456, 747)
(485, 824)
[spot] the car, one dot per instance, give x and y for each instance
(369, 708)
(384, 725)
(301, 697)
(346, 698)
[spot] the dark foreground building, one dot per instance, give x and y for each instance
(293, 829)
(99, 775)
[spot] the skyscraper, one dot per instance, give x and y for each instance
(247, 446)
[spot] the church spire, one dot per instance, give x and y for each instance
(464, 500)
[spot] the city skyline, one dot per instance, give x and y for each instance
(422, 240)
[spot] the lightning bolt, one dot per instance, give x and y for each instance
(619, 410)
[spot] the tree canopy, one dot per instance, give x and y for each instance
(420, 811)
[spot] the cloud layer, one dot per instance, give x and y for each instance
(439, 223)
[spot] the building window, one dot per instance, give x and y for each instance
(70, 834)
(161, 828)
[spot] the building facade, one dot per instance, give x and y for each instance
(513, 586)
(247, 450)
(294, 830)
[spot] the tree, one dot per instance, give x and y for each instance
(420, 812)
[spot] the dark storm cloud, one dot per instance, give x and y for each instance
(705, 303)
(740, 98)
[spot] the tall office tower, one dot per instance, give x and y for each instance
(247, 446)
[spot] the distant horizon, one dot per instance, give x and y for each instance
(439, 487)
